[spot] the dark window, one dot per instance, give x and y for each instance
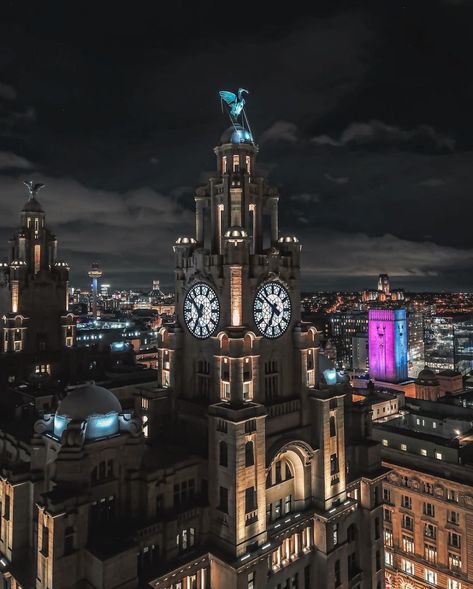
(191, 488)
(333, 464)
(333, 431)
(6, 513)
(269, 512)
(376, 528)
(278, 472)
(249, 454)
(223, 504)
(223, 454)
(378, 560)
(288, 471)
(69, 540)
(307, 577)
(429, 509)
(250, 499)
(184, 492)
(351, 533)
(351, 561)
(271, 381)
(45, 541)
(176, 495)
(338, 577)
(376, 496)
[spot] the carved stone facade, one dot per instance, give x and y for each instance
(252, 470)
(428, 528)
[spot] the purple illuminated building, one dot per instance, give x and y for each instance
(387, 340)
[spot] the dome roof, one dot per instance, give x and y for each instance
(236, 232)
(427, 375)
(88, 399)
(236, 134)
(32, 206)
(185, 240)
(288, 239)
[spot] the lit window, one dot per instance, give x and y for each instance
(454, 584)
(407, 566)
(454, 562)
(335, 534)
(407, 544)
(430, 576)
(403, 447)
(438, 455)
(389, 558)
(236, 163)
(385, 443)
(423, 452)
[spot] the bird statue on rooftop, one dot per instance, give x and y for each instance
(234, 101)
(33, 187)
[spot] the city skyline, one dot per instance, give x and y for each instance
(120, 139)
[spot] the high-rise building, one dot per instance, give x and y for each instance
(416, 358)
(360, 348)
(94, 273)
(251, 470)
(387, 334)
(345, 326)
(449, 342)
(36, 323)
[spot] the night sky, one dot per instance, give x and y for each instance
(363, 113)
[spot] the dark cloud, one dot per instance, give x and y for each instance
(9, 160)
(280, 131)
(362, 115)
(375, 134)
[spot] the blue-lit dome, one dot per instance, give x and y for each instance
(91, 403)
(236, 134)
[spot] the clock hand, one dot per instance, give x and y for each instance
(194, 304)
(201, 310)
(272, 305)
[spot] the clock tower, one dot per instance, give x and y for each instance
(239, 371)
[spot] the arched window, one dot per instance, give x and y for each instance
(351, 533)
(249, 454)
(223, 454)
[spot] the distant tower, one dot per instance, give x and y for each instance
(95, 273)
(34, 288)
(383, 284)
(387, 340)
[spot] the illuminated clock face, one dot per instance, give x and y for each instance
(201, 310)
(272, 309)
